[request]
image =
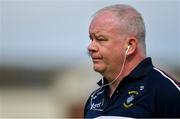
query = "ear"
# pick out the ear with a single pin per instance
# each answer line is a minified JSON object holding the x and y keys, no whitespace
{"x":131,"y":42}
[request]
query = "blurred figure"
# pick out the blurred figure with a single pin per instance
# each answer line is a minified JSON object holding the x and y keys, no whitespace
{"x":131,"y":86}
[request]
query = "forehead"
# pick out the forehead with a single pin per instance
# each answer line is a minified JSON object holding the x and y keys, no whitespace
{"x":104,"y":21}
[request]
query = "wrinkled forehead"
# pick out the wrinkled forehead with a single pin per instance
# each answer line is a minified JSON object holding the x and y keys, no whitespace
{"x":103,"y":21}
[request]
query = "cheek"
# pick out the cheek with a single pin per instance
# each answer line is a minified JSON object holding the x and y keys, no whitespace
{"x":105,"y":54}
{"x":111,"y":53}
{"x":114,"y":56}
{"x":107,"y":59}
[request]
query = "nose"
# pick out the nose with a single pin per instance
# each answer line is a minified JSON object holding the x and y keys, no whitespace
{"x":92,"y":47}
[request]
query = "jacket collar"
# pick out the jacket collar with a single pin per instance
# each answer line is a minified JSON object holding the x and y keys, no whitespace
{"x":142,"y":69}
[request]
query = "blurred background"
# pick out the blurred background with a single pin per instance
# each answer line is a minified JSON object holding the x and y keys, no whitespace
{"x":45,"y":71}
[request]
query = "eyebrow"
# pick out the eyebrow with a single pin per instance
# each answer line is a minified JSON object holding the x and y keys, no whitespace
{"x":95,"y":34}
{"x":91,"y":35}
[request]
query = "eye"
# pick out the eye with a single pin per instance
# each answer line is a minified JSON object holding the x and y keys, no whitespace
{"x":101,"y":38}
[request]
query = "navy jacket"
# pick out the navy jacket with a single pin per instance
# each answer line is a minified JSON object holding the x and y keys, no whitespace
{"x":145,"y":92}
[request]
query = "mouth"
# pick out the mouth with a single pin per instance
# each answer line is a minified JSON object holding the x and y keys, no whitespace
{"x":96,"y":60}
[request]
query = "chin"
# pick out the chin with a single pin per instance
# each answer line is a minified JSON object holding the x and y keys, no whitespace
{"x":99,"y":69}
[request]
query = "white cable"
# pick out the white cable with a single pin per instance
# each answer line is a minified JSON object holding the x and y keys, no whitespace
{"x":124,"y":61}
{"x":118,"y":74}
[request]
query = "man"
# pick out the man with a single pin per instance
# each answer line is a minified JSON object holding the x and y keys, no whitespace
{"x":131,"y":85}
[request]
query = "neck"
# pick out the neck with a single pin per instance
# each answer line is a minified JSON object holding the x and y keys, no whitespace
{"x":130,"y":64}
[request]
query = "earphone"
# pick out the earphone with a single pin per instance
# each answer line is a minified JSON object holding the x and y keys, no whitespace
{"x":127,"y":49}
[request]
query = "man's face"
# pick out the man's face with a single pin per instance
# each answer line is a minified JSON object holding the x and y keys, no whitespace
{"x":107,"y":44}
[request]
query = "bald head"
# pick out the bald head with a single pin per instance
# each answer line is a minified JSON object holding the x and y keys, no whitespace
{"x":130,"y":21}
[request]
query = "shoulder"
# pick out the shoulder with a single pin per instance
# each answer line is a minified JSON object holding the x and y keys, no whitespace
{"x":164,"y":81}
{"x":159,"y":81}
{"x":167,"y":93}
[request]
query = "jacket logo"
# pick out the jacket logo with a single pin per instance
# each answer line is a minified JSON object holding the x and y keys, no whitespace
{"x":97,"y":105}
{"x":97,"y":101}
{"x":129,"y":100}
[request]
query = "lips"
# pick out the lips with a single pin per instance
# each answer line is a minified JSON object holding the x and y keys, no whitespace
{"x":95,"y":59}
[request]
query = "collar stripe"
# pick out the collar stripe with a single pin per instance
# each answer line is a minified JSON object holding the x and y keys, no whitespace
{"x":172,"y":81}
